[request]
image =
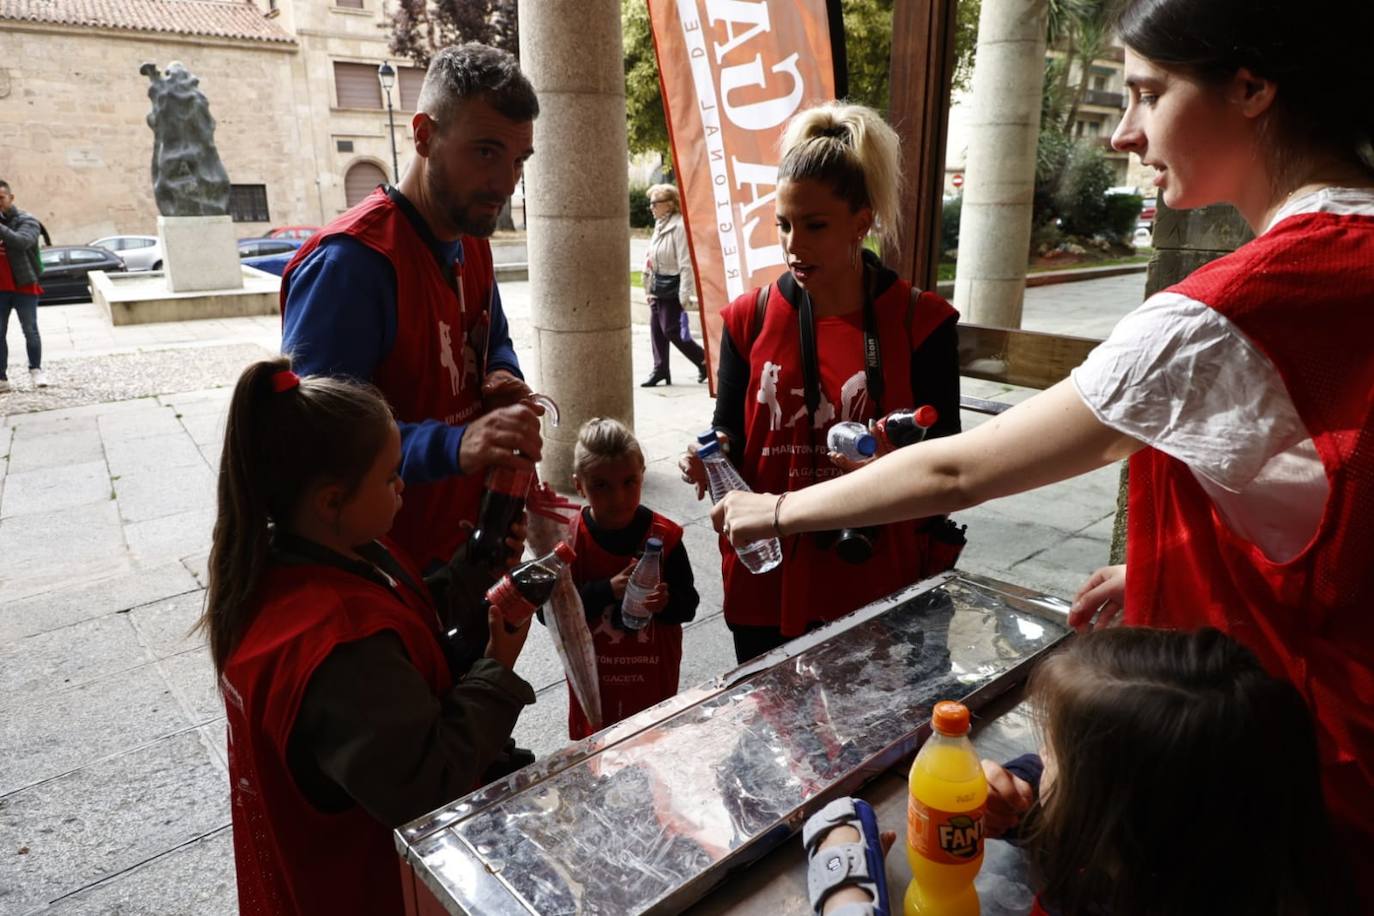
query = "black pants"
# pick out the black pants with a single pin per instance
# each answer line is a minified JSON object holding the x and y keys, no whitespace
{"x":665,"y":327}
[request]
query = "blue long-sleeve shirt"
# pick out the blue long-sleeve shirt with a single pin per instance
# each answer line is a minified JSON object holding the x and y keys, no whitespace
{"x":341,"y":320}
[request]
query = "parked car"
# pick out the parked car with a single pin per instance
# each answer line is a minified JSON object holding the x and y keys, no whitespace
{"x":138,"y":252}
{"x":252,"y":248}
{"x":271,"y":263}
{"x":293,"y":232}
{"x":65,"y":268}
{"x":1148,"y":209}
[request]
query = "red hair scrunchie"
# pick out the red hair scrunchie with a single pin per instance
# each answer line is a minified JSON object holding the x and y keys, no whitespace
{"x":285,"y":380}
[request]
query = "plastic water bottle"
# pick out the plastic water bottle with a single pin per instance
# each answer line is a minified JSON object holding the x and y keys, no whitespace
{"x":642,"y":582}
{"x":852,"y":440}
{"x":759,"y":556}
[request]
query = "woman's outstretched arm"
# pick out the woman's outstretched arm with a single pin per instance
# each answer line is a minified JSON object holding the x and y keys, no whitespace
{"x":1050,"y":437}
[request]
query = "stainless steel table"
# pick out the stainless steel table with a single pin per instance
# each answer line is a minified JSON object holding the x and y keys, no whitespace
{"x":652,"y":814}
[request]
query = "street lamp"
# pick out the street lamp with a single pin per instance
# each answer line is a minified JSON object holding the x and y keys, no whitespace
{"x":386,"y":75}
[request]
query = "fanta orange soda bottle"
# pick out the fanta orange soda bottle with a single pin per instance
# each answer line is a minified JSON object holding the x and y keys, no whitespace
{"x":944,"y":840}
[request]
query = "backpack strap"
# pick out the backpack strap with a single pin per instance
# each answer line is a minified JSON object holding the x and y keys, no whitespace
{"x":911,"y":311}
{"x":760,"y":307}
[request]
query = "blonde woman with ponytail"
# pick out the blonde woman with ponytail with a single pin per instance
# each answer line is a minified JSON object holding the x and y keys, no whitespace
{"x":838,"y":186}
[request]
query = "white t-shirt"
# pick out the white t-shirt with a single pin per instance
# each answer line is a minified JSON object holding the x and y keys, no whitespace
{"x":1180,"y":377}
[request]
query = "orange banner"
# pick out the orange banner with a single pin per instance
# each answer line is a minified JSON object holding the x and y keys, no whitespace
{"x":732,"y":73}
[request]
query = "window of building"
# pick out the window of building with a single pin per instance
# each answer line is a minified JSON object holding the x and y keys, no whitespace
{"x":349,"y":4}
{"x":360,"y":180}
{"x":248,"y":203}
{"x":412,"y":78}
{"x":344,"y":146}
{"x":356,"y":86}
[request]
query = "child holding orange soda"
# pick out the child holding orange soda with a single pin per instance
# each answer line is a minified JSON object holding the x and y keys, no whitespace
{"x":1177,"y":778}
{"x":637,"y":667}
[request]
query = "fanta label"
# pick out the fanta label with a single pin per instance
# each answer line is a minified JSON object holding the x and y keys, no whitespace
{"x":944,"y":837}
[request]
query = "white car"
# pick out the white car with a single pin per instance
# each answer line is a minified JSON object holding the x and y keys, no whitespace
{"x":138,"y":252}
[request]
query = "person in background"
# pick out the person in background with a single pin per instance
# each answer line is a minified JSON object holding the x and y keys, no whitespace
{"x":345,"y":719}
{"x":399,"y":291}
{"x":1243,"y":396}
{"x":19,"y":290}
{"x":1156,"y":742}
{"x":837,"y":184}
{"x":637,"y":667}
{"x":669,"y":284}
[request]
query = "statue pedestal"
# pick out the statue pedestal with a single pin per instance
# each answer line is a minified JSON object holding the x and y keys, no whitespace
{"x":199,"y":253}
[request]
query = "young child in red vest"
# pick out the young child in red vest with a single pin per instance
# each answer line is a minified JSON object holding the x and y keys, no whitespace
{"x":344,"y":717}
{"x":1178,"y":777}
{"x":636,"y":668}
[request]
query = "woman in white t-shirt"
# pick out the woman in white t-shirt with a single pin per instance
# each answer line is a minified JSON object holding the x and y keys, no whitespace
{"x":1244,"y":395}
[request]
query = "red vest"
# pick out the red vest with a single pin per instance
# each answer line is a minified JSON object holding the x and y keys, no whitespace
{"x":432,"y":371}
{"x":292,"y":858}
{"x":635,"y":668}
{"x":781,"y":449}
{"x":1302,"y":293}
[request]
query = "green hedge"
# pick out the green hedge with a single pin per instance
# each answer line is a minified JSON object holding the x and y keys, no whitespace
{"x":640,"y":215}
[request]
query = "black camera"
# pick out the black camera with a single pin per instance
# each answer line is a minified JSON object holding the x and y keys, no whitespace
{"x":853,"y":545}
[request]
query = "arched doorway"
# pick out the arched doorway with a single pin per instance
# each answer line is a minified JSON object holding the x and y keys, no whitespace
{"x":359,"y":181}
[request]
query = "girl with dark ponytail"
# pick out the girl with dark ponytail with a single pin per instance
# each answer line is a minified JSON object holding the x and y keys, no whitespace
{"x":344,"y":718}
{"x":1243,"y":395}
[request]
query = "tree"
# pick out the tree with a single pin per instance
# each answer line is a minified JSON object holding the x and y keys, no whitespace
{"x":646,"y":125}
{"x":419,"y":28}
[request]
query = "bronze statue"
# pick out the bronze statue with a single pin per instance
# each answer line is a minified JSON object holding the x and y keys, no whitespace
{"x":188,"y":176}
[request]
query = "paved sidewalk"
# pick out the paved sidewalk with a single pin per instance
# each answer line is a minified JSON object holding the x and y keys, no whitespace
{"x":112,"y":765}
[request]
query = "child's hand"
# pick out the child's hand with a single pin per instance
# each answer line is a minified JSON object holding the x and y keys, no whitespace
{"x":1103,"y":595}
{"x":621,"y":580}
{"x":657,"y":599}
{"x":503,"y":645}
{"x":1009,"y":797}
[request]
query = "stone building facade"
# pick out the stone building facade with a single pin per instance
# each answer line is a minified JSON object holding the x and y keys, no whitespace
{"x":302,"y":126}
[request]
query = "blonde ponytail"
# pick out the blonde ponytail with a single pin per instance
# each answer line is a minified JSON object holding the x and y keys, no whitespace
{"x":853,"y":151}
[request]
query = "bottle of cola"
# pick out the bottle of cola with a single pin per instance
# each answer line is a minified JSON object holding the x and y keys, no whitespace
{"x":503,"y":499}
{"x":526,"y":587}
{"x":502,"y":502}
{"x":906,"y":427}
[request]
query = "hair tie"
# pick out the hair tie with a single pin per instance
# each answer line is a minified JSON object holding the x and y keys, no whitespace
{"x":285,"y":380}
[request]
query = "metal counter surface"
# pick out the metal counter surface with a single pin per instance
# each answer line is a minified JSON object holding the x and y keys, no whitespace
{"x":648,"y":815}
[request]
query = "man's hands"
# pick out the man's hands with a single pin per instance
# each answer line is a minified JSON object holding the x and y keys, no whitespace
{"x":1103,"y":595}
{"x":504,"y":437}
{"x":503,"y":389}
{"x":1009,"y":797}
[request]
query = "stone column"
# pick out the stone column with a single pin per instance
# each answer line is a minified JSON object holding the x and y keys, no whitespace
{"x":1184,"y":240}
{"x":995,"y":224}
{"x":577,"y":217}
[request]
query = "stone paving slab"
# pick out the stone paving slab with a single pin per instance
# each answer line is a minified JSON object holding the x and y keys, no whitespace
{"x":191,"y":675}
{"x":107,"y":818}
{"x":153,"y":455}
{"x":36,"y":451}
{"x":54,"y":488}
{"x":165,"y":626}
{"x":154,"y":493}
{"x":71,"y":603}
{"x":158,"y":420}
{"x":171,"y":537}
{"x":68,"y":657}
{"x":197,"y":878}
{"x":47,"y":550}
{"x":51,"y":735}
